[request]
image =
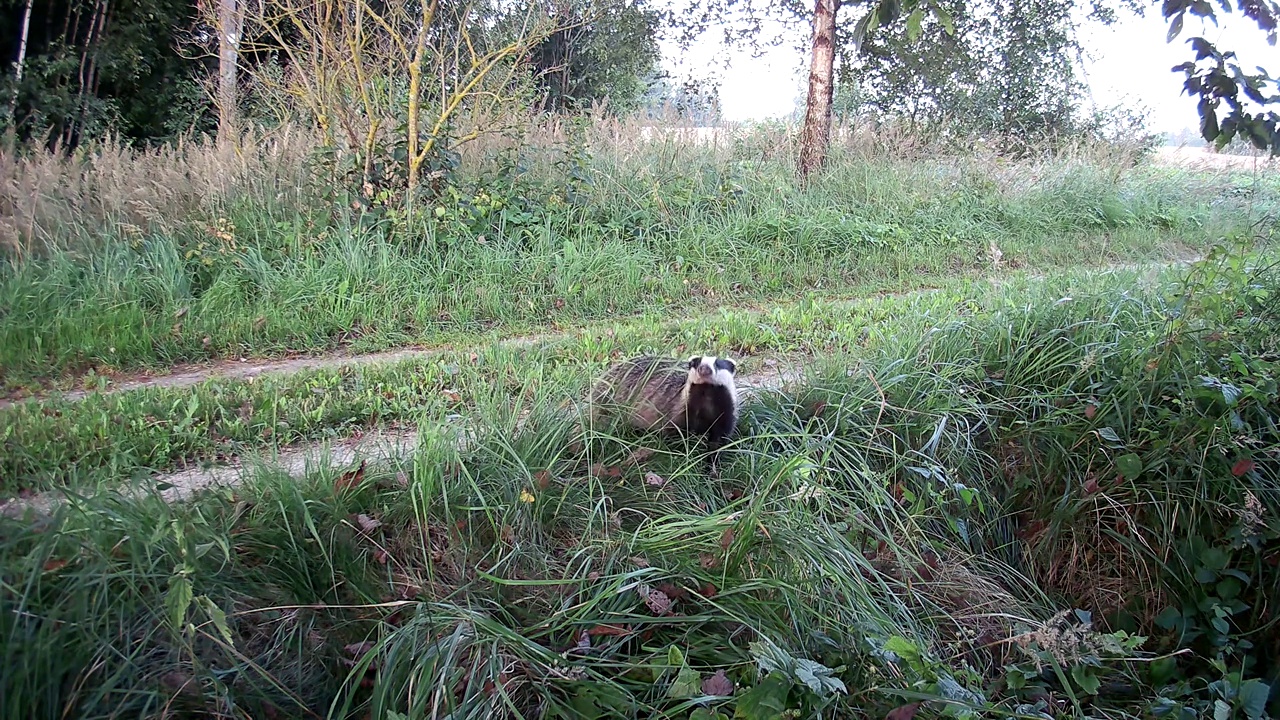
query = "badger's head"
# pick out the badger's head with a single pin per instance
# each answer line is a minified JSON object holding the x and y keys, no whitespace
{"x":712,"y":370}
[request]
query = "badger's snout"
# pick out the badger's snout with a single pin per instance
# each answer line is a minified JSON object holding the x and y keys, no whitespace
{"x":704,"y":370}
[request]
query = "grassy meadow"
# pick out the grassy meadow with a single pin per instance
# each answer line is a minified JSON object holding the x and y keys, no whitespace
{"x":120,"y":261}
{"x":979,"y":474}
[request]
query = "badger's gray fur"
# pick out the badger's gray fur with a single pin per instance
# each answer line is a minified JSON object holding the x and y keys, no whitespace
{"x":689,"y":397}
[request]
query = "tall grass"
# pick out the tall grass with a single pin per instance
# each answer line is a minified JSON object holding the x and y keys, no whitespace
{"x":113,"y":437}
{"x":118,"y":260}
{"x":904,"y":525}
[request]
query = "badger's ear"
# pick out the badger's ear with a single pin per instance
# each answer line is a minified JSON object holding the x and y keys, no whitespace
{"x":695,"y":362}
{"x":727,"y":364}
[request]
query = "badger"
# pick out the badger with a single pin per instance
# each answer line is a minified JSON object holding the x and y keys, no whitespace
{"x":694,"y":397}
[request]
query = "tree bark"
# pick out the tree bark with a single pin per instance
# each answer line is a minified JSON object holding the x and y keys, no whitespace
{"x":19,"y":65}
{"x":228,"y":56}
{"x":816,"y":134}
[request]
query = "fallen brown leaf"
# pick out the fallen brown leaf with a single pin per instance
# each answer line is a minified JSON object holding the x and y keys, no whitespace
{"x":54,"y":565}
{"x":367,"y":524}
{"x":543,"y":479}
{"x":718,"y":684}
{"x":639,"y":455}
{"x":655,"y":480}
{"x":658,"y":602}
{"x":904,"y":712}
{"x":672,"y":591}
{"x":726,"y":539}
{"x":350,"y":479}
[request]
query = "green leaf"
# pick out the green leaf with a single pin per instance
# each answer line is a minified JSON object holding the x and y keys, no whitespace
{"x":1163,"y":670}
{"x":1085,"y":679}
{"x":675,"y":658}
{"x":1240,"y":575}
{"x":913,"y":24}
{"x":705,"y":714}
{"x":818,"y":677}
{"x":1252,"y":698}
{"x":1175,"y":27}
{"x":770,"y":658}
{"x":944,"y":17}
{"x":1208,"y":124}
{"x":687,"y":684}
{"x":219,"y":619}
{"x":1108,"y":434}
{"x":178,"y":599}
{"x":1214,"y":558}
{"x":598,"y":700}
{"x":766,"y":701}
{"x":1129,"y":465}
{"x":1169,"y":618}
{"x":902,"y":647}
{"x":584,"y":704}
{"x":888,"y":11}
{"x":1229,"y":588}
{"x":1221,"y":710}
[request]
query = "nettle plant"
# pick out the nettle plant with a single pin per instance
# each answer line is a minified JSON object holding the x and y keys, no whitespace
{"x":1223,"y":575}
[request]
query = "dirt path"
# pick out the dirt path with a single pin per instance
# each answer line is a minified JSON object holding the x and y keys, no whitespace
{"x":374,"y":447}
{"x":187,"y":375}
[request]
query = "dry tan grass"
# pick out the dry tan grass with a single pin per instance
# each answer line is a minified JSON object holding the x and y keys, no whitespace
{"x":50,"y":202}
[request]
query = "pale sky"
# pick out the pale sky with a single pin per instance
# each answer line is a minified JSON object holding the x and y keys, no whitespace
{"x":1130,"y":63}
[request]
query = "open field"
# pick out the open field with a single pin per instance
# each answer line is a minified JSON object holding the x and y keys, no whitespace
{"x":1008,"y":445}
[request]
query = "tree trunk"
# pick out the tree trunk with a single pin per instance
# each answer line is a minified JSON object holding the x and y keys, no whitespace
{"x":816,"y":135}
{"x":19,"y":64}
{"x":228,"y":56}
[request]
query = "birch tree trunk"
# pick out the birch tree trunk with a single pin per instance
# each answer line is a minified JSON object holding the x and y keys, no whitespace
{"x":19,"y":65}
{"x":816,"y":134}
{"x":228,"y":56}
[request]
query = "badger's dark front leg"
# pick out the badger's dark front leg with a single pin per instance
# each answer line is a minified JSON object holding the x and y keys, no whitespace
{"x":717,"y":436}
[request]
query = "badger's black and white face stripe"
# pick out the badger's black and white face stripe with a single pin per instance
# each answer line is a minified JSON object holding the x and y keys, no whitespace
{"x":712,"y":370}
